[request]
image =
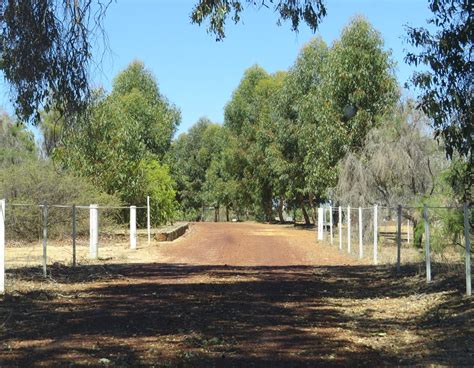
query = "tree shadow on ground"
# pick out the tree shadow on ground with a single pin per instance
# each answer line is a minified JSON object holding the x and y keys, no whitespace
{"x":135,"y":315}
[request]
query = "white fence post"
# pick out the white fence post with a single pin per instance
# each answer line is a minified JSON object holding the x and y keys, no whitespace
{"x":468,"y":250}
{"x":408,"y":231}
{"x":74,"y":235}
{"x":340,"y":228}
{"x":133,"y":227}
{"x":330,"y":223}
{"x":148,"y":220}
{"x":375,"y":234}
{"x":427,"y":244}
{"x":361,"y":245}
{"x":45,"y":238}
{"x":320,"y":223}
{"x":93,"y":231}
{"x":348,"y":229}
{"x":2,"y":246}
{"x":399,"y":236}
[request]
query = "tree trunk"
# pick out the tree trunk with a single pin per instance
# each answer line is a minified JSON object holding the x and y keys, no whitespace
{"x":216,"y":214}
{"x":307,"y":220}
{"x":227,"y":213}
{"x":312,"y":204}
{"x":280,"y":210}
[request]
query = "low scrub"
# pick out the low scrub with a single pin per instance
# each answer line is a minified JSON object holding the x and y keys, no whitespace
{"x":38,"y":182}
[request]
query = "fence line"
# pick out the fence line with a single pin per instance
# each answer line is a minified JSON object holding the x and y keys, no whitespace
{"x":72,"y":205}
{"x":93,"y":230}
{"x":344,"y":217}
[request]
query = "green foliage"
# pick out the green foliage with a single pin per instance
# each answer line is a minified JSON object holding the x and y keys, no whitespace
{"x":132,"y":125}
{"x":446,"y":85}
{"x":137,"y":91}
{"x":248,"y":120}
{"x":45,"y":53}
{"x":218,"y":12}
{"x":446,"y":225}
{"x":52,"y":127}
{"x":47,"y":65}
{"x":37,"y":182}
{"x":16,"y":143}
{"x":357,"y":87}
{"x":190,"y":158}
{"x":161,"y":188}
{"x":303,"y":81}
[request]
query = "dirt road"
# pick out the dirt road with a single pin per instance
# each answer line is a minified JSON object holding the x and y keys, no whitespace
{"x":250,"y":244}
{"x":233,"y":295}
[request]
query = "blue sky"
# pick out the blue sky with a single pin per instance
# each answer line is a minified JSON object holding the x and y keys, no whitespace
{"x":198,"y":74}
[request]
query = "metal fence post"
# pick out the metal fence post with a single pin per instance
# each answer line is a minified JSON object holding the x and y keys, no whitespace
{"x":375,"y":234}
{"x":427,"y":244}
{"x":468,"y":249}
{"x":93,"y":231}
{"x":2,"y":246}
{"x":399,"y":235}
{"x":45,"y":238}
{"x":133,"y":227}
{"x":361,"y":245}
{"x":74,"y":235}
{"x":148,"y":220}
{"x":348,"y":229}
{"x":340,"y":228}
{"x":330,"y":223}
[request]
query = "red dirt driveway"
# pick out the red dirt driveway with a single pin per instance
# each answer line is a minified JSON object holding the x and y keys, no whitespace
{"x":250,"y":244}
{"x":234,"y":295}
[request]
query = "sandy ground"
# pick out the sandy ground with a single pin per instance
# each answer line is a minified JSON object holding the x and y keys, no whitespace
{"x":232,"y":295}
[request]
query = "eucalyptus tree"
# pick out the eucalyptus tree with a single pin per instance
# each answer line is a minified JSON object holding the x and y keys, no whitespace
{"x":446,"y":84}
{"x":304,"y":78}
{"x":121,"y":140}
{"x":242,"y":118}
{"x":46,"y":45}
{"x":190,"y":157}
{"x":217,"y":13}
{"x":45,"y":52}
{"x":356,"y":88}
{"x":136,"y":89}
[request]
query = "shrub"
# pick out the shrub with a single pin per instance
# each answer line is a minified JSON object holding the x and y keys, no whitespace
{"x":37,"y":182}
{"x":159,"y":185}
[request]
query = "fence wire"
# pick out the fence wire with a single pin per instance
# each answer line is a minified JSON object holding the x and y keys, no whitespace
{"x":432,"y":237}
{"x":40,"y":236}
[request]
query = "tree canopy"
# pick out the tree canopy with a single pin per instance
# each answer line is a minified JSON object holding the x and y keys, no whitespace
{"x":46,"y":46}
{"x":120,"y":143}
{"x":45,"y":51}
{"x":446,"y":85}
{"x":217,"y":13}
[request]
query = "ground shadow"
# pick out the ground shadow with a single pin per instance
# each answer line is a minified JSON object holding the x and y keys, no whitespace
{"x":154,"y":314}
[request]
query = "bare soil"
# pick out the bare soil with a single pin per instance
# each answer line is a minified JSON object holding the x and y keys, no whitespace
{"x":232,"y":295}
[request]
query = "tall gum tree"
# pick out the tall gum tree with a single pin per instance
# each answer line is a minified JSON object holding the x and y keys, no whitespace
{"x":357,"y":87}
{"x":120,"y":140}
{"x":303,"y":78}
